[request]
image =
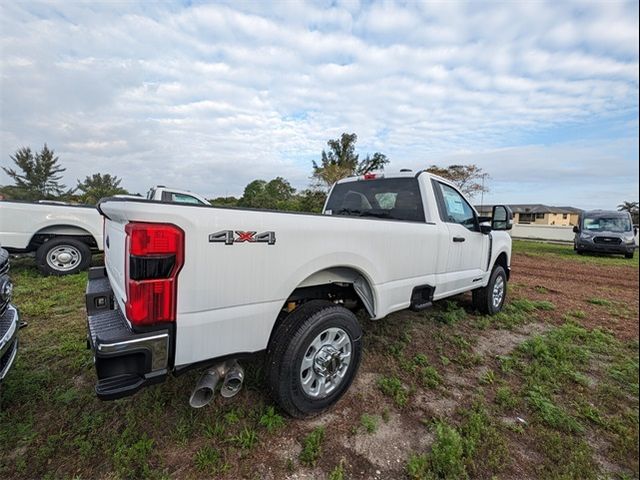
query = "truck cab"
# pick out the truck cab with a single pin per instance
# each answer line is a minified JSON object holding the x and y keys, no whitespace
{"x":460,"y":232}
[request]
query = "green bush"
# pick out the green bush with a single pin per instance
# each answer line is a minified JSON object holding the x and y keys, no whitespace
{"x":312,"y":447}
{"x":392,"y":386}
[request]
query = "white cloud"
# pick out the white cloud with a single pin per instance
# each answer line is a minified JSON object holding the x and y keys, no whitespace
{"x":209,"y":97}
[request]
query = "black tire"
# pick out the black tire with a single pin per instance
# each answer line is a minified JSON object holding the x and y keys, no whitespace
{"x":292,"y":340}
{"x":483,"y":297}
{"x":629,"y":255}
{"x":78,"y":251}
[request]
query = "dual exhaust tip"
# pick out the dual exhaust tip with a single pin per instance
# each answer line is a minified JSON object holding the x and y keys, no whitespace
{"x":232,"y":375}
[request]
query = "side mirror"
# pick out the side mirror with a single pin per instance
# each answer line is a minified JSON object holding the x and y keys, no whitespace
{"x":485,"y":224}
{"x":576,"y":229}
{"x":502,"y":218}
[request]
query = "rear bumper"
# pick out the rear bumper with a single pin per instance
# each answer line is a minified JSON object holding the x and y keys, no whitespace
{"x":10,"y":323}
{"x":125,"y":361}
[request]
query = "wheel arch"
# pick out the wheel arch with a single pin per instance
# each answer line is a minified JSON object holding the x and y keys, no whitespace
{"x":503,"y":260}
{"x":59,"y":230}
{"x":338,"y":281}
{"x":344,"y":275}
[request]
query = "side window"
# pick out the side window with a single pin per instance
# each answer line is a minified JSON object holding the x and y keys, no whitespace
{"x":456,"y":208}
{"x":181,"y":198}
{"x":171,"y":197}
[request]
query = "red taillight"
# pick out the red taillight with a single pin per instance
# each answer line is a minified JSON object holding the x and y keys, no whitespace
{"x":154,"y":239}
{"x":155,"y":254}
{"x":370,"y":176}
{"x":151,"y":301}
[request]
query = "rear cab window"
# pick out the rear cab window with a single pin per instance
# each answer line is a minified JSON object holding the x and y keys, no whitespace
{"x":386,"y":198}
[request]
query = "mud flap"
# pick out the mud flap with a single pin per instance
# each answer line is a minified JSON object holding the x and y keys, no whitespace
{"x":361,"y":286}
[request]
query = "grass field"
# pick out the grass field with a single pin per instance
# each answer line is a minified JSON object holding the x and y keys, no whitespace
{"x":546,"y":389}
{"x":561,"y":251}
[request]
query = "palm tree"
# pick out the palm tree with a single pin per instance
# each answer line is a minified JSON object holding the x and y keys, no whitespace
{"x":632,"y":208}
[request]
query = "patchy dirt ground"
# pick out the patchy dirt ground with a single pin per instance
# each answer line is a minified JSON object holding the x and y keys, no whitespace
{"x":573,"y":286}
{"x":51,"y":425}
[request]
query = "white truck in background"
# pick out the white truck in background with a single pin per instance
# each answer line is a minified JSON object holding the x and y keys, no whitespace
{"x":63,"y":236}
{"x":187,"y":287}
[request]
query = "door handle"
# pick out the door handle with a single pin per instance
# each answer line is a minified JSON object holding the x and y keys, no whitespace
{"x":459,"y":239}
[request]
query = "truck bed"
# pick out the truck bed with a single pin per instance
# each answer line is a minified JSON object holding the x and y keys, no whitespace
{"x":20,"y":221}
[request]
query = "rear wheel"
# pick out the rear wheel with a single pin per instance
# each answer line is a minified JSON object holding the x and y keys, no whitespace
{"x":63,"y":256}
{"x":313,"y":357}
{"x":490,"y":299}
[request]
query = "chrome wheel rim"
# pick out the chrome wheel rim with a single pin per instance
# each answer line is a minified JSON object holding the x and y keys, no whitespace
{"x":325,"y":362}
{"x":498,"y":292}
{"x":64,"y":258}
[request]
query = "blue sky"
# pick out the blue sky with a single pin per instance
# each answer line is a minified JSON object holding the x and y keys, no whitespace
{"x":542,"y":95}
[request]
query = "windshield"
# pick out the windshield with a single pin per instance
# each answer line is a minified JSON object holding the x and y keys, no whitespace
{"x":393,"y":199}
{"x":607,"y":224}
{"x":151,"y":193}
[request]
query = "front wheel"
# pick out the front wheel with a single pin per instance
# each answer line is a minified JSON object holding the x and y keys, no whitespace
{"x":490,"y":299}
{"x":313,"y":357}
{"x":629,"y":255}
{"x":63,"y":256}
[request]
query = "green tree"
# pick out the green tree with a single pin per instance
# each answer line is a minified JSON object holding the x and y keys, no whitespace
{"x":36,"y":177}
{"x":98,"y":186}
{"x":311,"y":200}
{"x":279,"y":190}
{"x":341,"y":161}
{"x":470,"y":179}
{"x":224,"y":201}
{"x":632,"y":208}
{"x":253,"y":195}
{"x":277,"y":194}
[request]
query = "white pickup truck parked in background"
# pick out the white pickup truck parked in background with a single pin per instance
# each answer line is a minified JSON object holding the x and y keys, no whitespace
{"x":63,"y":236}
{"x":186,"y":287}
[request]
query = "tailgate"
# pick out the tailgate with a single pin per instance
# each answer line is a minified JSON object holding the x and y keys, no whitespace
{"x":120,"y":216}
{"x":114,"y":258}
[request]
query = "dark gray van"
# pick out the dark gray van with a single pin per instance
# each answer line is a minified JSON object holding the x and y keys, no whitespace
{"x":605,"y":232}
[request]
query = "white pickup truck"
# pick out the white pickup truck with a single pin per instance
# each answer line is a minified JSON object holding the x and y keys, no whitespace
{"x":186,"y":286}
{"x":63,"y":236}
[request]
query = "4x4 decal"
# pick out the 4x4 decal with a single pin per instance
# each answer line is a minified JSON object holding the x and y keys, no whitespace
{"x":229,"y":237}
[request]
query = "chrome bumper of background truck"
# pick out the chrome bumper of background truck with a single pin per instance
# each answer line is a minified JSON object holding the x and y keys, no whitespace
{"x":125,"y":361}
{"x":10,"y":323}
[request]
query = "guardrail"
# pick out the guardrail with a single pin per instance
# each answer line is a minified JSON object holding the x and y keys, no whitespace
{"x":543,"y":232}
{"x":554,"y":233}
